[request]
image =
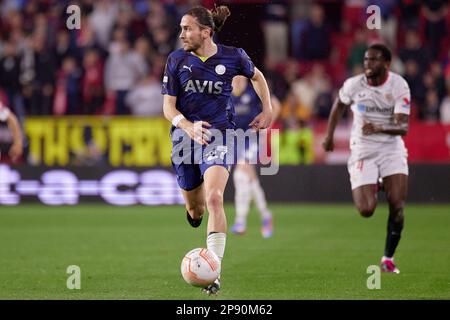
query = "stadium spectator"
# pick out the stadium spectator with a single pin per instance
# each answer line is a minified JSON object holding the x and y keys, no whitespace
{"x":102,"y":20}
{"x":276,"y":32}
{"x":42,"y":84}
{"x":430,"y":110}
{"x":357,"y":49}
{"x":315,"y":44}
{"x":410,"y":12}
{"x":145,"y":99}
{"x":10,"y":71}
{"x":92,"y":83}
{"x":67,"y":90}
{"x":123,"y":69}
{"x":306,"y":89}
{"x":414,"y":50}
{"x":435,"y":12}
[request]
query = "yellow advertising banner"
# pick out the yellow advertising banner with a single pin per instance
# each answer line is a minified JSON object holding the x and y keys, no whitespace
{"x":115,"y":141}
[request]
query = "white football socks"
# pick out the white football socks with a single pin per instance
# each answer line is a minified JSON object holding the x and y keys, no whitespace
{"x":216,"y":243}
{"x":242,"y":195}
{"x":260,"y":199}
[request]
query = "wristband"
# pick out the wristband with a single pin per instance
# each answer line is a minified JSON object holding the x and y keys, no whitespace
{"x":177,"y":119}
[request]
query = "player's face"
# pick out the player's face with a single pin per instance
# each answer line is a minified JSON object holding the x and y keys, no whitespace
{"x":192,"y":36}
{"x":374,"y":64}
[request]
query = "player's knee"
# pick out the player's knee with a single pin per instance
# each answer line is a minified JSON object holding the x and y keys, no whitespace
{"x":214,"y":201}
{"x":197,"y":210}
{"x":366,"y":210}
{"x":240,"y":177}
{"x":366,"y":213}
{"x":396,"y":206}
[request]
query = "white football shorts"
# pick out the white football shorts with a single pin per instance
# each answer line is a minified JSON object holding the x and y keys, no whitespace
{"x":367,"y":170}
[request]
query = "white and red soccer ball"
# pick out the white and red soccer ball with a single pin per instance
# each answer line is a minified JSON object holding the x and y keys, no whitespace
{"x":200,"y":267}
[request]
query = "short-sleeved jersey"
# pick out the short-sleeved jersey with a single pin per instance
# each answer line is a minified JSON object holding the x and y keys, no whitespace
{"x":375,"y":104}
{"x":247,"y":106}
{"x":4,"y":112}
{"x":203,"y":89}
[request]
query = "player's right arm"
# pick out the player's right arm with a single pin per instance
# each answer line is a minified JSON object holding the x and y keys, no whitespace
{"x":170,"y":91}
{"x":196,"y":131}
{"x":342,"y":102}
{"x":335,"y":115}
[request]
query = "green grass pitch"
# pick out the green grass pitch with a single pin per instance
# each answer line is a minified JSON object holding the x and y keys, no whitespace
{"x":317,"y":252}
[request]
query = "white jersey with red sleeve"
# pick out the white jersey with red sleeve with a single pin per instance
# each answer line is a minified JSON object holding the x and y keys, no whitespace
{"x":375,"y":104}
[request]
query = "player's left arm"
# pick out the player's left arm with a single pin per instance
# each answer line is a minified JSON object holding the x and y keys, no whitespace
{"x":399,"y":126}
{"x":264,"y":119}
{"x":16,"y":149}
{"x":402,"y":108}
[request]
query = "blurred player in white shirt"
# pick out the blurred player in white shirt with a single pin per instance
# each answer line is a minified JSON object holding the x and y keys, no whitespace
{"x":380,"y":102}
{"x":16,"y":150}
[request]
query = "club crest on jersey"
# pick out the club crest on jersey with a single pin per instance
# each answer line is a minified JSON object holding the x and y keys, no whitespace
{"x":205,"y":86}
{"x":220,"y":69}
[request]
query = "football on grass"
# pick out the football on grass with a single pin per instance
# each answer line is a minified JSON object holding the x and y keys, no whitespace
{"x":200,"y":267}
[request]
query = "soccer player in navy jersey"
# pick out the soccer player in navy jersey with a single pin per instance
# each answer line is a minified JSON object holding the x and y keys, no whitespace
{"x":197,"y":100}
{"x":246,"y":183}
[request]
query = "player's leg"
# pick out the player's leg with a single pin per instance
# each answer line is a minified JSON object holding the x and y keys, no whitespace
{"x":261,"y":203}
{"x":394,"y":171}
{"x":195,"y":205}
{"x":242,"y":197}
{"x":189,"y":176}
{"x":365,"y":199}
{"x":215,"y":181}
{"x":363,"y":177}
{"x":396,"y":189}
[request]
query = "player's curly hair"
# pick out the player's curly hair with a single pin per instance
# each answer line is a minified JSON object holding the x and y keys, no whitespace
{"x":214,"y":19}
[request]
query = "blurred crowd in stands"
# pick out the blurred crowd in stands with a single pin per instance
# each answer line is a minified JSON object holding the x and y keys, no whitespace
{"x":114,"y":63}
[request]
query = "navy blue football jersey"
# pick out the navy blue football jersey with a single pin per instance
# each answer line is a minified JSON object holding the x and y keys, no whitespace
{"x":203,"y":89}
{"x":247,"y":107}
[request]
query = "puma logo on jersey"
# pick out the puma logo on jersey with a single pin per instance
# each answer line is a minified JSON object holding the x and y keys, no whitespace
{"x":205,"y":86}
{"x":189,"y":68}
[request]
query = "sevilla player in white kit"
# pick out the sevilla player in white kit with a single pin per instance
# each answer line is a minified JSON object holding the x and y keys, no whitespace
{"x":380,"y":102}
{"x":15,"y":152}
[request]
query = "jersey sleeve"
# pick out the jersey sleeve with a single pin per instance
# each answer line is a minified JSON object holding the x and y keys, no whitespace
{"x":170,"y":82}
{"x":247,"y":68}
{"x":402,"y":98}
{"x":345,"y":93}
